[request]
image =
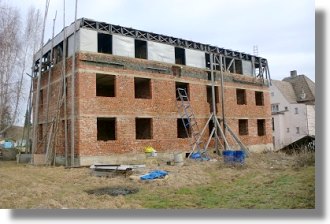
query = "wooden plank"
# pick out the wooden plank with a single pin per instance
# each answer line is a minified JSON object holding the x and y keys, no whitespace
{"x":115,"y":167}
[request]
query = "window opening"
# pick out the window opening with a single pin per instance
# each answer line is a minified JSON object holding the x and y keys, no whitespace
{"x":106,"y":129}
{"x":140,"y":49}
{"x":259,"y":96}
{"x":182,"y":85}
{"x":180,"y":57}
{"x":241,"y":96}
{"x":181,"y":131}
{"x":142,"y":88}
{"x":243,"y":127}
{"x":104,"y":43}
{"x":143,"y":128}
{"x":261,"y":127}
{"x":105,"y":85}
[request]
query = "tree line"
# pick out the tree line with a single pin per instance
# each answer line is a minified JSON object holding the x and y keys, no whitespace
{"x":19,"y":40}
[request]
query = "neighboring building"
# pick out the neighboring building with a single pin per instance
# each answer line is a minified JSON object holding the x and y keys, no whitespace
{"x":14,"y":133}
{"x":293,"y":109}
{"x":125,"y":93}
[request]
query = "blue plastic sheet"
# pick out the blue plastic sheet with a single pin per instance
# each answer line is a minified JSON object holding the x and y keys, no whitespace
{"x":196,"y":155}
{"x":154,"y":175}
{"x":199,"y":156}
{"x":8,"y":145}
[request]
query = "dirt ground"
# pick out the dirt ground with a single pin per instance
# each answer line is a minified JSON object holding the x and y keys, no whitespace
{"x":28,"y":186}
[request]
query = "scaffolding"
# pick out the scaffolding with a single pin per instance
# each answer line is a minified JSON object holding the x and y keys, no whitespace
{"x":46,"y":62}
{"x":188,"y":118}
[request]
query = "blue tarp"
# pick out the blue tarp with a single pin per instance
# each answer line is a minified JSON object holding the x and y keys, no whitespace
{"x":154,"y":175}
{"x":8,"y":145}
{"x":196,"y":155}
{"x":199,"y":156}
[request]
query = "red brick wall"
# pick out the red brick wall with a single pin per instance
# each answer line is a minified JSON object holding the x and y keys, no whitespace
{"x":161,"y":108}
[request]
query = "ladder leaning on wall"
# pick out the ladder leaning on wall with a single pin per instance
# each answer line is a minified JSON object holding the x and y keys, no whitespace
{"x":189,"y":122}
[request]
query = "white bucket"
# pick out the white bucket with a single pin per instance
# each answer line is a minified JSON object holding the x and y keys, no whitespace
{"x":178,"y":158}
{"x":154,"y":154}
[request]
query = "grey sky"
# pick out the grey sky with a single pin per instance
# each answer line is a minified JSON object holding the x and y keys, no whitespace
{"x":283,"y":30}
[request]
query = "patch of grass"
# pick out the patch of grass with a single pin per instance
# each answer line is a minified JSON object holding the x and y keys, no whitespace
{"x":289,"y":189}
{"x":266,"y":181}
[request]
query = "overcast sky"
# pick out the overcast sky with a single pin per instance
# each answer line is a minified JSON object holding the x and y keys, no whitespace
{"x":283,"y":30}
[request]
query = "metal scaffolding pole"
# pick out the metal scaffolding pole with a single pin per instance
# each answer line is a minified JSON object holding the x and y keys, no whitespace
{"x":223,"y":101}
{"x":36,"y":110}
{"x":64,"y":91}
{"x":214,"y":112}
{"x":49,"y":77}
{"x":73,"y":87}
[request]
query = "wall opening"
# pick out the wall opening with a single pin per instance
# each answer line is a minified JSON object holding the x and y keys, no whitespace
{"x":209,"y":96}
{"x":259,"y":98}
{"x":209,"y":77}
{"x":58,"y":53}
{"x":243,"y":128}
{"x":41,"y":133}
{"x":241,"y":96}
{"x":211,"y":125}
{"x":182,"y":85}
{"x":106,"y":129}
{"x":104,"y":43}
{"x":180,"y":57}
{"x":231,"y":68}
{"x":105,"y":85}
{"x":181,"y":131}
{"x":140,"y":49}
{"x":66,"y":47}
{"x":142,"y":88}
{"x":41,"y":98}
{"x":143,"y":128}
{"x":261,"y":127}
{"x":238,"y":66}
{"x":46,"y":63}
{"x":207,"y":61}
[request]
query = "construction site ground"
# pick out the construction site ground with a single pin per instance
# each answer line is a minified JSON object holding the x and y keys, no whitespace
{"x":266,"y":180}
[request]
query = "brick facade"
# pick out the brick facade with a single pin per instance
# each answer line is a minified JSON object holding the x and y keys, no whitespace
{"x":161,"y":108}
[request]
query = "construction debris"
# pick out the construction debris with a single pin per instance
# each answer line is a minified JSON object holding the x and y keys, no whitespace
{"x":102,"y":170}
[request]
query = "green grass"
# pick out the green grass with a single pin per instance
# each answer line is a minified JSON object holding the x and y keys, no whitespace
{"x":266,"y":181}
{"x":288,"y":189}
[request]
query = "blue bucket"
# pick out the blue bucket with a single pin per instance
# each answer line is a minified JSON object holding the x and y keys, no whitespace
{"x":228,"y":156}
{"x":239,"y":156}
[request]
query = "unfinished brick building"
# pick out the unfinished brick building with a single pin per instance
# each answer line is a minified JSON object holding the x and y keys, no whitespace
{"x":125,"y":96}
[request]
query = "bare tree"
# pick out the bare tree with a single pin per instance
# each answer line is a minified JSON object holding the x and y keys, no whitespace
{"x":16,"y":50}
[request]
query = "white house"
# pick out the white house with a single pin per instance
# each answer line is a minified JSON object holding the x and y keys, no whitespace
{"x":293,"y":109}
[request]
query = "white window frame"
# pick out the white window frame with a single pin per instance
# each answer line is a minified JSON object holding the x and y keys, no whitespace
{"x":275,"y":107}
